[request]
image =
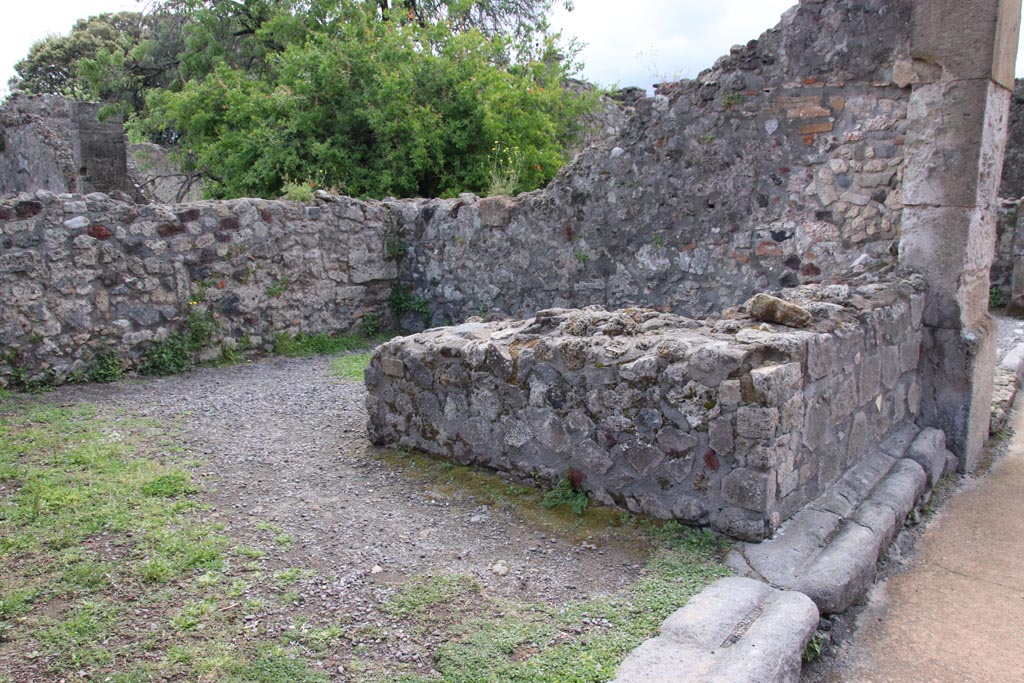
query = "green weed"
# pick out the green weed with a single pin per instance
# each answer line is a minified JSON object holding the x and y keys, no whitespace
{"x":424,"y":592}
{"x":176,"y":354}
{"x":401,"y":300}
{"x":815,"y":647}
{"x":351,"y":366}
{"x":279,"y":287}
{"x":286,"y":577}
{"x":105,"y":367}
{"x":996,"y":298}
{"x":304,"y":344}
{"x":568,"y":495}
{"x":296,"y":191}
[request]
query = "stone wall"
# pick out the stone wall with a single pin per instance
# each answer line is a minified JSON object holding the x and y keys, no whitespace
{"x":1009,"y":248}
{"x":81,"y":274}
{"x":724,"y":422}
{"x":781,"y":165}
{"x":56,"y":144}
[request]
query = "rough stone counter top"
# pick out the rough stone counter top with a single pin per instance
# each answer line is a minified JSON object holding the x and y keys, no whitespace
{"x":728,"y":422}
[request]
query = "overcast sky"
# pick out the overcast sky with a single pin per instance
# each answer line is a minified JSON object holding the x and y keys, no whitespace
{"x":629,"y":42}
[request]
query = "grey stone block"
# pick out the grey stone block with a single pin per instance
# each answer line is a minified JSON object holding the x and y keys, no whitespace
{"x":735,"y":631}
{"x":929,"y":451}
{"x":830,"y":549}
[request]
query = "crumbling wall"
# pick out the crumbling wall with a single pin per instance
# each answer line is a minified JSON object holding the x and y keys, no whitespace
{"x":782,"y":165}
{"x":56,"y":144}
{"x":81,"y":274}
{"x":726,"y":422}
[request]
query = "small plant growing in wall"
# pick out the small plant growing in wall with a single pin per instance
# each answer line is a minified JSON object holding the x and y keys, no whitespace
{"x":394,"y":247}
{"x":176,"y":354}
{"x":278,"y":288}
{"x":582,"y":256}
{"x":401,"y":301}
{"x":105,"y":367}
{"x":370,"y":325}
{"x":732,"y":99}
{"x":506,"y":168}
{"x":23,"y":380}
{"x":996,"y":298}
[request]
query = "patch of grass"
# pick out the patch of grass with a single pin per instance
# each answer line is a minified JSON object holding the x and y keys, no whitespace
{"x":585,"y":640}
{"x":273,"y":667}
{"x":76,"y":638}
{"x":169,"y":485}
{"x":286,"y":577}
{"x":514,"y":641}
{"x":351,"y":366}
{"x":192,"y":614}
{"x":303,"y":344}
{"x":424,"y":592}
{"x":108,"y":565}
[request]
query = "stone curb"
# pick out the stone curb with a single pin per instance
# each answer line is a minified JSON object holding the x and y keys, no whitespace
{"x":830,"y":549}
{"x":737,"y":630}
{"x":753,"y":628}
{"x":1008,"y":374}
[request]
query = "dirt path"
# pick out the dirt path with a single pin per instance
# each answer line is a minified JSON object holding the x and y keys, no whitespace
{"x":283,"y":442}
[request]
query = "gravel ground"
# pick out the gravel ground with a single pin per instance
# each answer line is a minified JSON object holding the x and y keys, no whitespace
{"x":284,"y":442}
{"x":1011,"y":333}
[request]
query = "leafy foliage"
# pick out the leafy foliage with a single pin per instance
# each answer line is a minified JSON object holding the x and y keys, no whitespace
{"x":401,"y":300}
{"x":176,"y":354}
{"x":372,"y":98}
{"x":105,"y":367}
{"x":568,"y":495}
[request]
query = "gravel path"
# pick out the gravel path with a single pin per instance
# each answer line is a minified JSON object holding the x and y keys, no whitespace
{"x":284,"y":442}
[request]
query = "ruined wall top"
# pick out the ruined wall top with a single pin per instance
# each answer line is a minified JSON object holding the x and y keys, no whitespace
{"x":52,"y":143}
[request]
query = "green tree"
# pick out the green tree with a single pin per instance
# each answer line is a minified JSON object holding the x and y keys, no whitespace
{"x":51,"y":66}
{"x":114,"y":58}
{"x":373,"y":108}
{"x":369,"y":97}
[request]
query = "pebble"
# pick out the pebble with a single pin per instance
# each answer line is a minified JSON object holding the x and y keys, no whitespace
{"x":500,"y":568}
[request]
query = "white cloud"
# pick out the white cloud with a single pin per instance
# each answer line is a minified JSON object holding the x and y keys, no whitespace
{"x":640,"y":42}
{"x":630,"y":42}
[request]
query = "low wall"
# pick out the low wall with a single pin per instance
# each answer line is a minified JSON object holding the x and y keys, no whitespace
{"x":725,"y":422}
{"x":80,"y":274}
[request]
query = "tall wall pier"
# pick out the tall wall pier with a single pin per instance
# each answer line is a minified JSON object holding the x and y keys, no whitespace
{"x":56,"y":144}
